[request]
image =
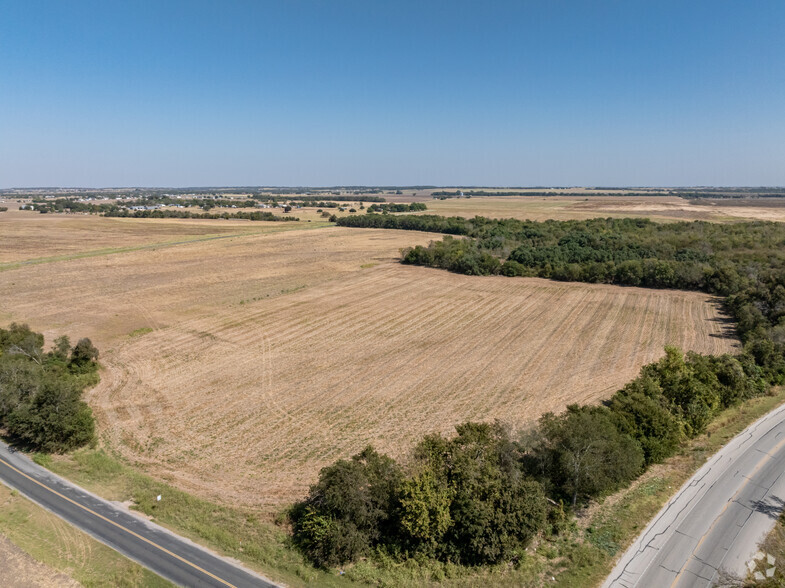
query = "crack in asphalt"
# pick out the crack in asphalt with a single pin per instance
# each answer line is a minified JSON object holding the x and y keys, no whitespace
{"x":732,"y":452}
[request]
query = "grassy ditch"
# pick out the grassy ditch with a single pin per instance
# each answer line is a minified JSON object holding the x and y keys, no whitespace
{"x":235,"y":532}
{"x":52,"y":541}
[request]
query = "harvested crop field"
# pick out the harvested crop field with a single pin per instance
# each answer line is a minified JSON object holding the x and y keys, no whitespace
{"x":28,"y":235}
{"x":236,"y":368}
{"x":250,"y":405}
{"x":661,"y":208}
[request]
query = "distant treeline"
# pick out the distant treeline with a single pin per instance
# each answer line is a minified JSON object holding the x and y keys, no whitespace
{"x":41,"y":403}
{"x":470,"y":193}
{"x":384,"y":208}
{"x":169,"y":213}
{"x":687,"y":194}
{"x":69,"y":204}
{"x":113,"y":210}
{"x":734,"y":195}
{"x":59,"y":205}
{"x":342,"y":198}
{"x":310,"y":203}
{"x":205,"y":203}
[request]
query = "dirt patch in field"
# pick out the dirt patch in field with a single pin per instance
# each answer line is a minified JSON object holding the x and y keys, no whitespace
{"x":19,"y":570}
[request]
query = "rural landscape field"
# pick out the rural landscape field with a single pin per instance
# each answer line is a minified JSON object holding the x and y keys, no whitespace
{"x":392,"y":294}
{"x":584,"y":205}
{"x":237,"y":367}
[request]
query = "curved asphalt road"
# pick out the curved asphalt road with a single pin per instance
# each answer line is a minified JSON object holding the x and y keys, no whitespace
{"x":175,"y":558}
{"x":718,"y":517}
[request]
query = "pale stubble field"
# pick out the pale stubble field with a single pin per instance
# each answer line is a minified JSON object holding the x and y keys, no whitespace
{"x":236,"y":368}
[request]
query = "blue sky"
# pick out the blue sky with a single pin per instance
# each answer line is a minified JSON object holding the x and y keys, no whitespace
{"x":329,"y":92}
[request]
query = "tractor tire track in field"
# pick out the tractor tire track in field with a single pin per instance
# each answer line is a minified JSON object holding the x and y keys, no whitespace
{"x":248,"y":403}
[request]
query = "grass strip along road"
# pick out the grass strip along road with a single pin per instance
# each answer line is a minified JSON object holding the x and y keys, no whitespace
{"x":716,"y":520}
{"x":172,"y":557}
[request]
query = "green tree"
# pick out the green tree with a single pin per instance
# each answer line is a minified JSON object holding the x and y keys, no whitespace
{"x":348,"y":510}
{"x":84,"y":354}
{"x":424,"y":511}
{"x":645,"y":419}
{"x":495,"y":508}
{"x":583,"y":454}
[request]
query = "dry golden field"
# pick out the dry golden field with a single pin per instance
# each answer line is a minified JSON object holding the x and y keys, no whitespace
{"x":662,"y":208}
{"x":237,"y":367}
{"x":27,"y":235}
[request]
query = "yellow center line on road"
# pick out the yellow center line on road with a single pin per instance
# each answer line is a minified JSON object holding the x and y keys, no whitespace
{"x":119,"y":526}
{"x":759,"y":465}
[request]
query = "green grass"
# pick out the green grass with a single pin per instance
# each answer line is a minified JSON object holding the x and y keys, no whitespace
{"x":66,"y":549}
{"x":141,"y":331}
{"x":235,"y":532}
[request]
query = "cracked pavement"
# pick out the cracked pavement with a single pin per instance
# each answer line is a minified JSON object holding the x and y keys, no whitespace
{"x":717,"y":518}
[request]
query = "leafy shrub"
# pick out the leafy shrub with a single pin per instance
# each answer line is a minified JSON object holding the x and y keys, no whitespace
{"x":41,"y":393}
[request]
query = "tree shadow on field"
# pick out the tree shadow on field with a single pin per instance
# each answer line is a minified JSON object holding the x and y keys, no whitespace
{"x":725,"y":320}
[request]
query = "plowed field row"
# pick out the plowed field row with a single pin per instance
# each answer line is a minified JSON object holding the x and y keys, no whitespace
{"x":247,"y":405}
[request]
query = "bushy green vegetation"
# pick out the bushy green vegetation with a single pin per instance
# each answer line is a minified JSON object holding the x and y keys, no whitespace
{"x":481,"y":496}
{"x":166,"y":213}
{"x":386,"y":208}
{"x":359,"y":196}
{"x":41,"y":392}
{"x":463,"y":500}
{"x":588,"y":451}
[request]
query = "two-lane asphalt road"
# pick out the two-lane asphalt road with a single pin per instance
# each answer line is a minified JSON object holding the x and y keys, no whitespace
{"x":174,"y":558}
{"x":717,"y":518}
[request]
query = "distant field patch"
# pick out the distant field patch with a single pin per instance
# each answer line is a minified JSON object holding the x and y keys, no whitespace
{"x":662,"y":208}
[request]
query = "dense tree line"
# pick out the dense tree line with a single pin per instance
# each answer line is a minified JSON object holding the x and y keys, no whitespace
{"x":426,"y":222}
{"x":310,"y":203}
{"x":442,"y":194}
{"x":733,"y":194}
{"x":477,"y":497}
{"x":343,"y":198}
{"x":41,"y":402}
{"x":74,"y":205}
{"x":165,"y":213}
{"x":464,"y":499}
{"x":385,"y":208}
{"x":69,"y":205}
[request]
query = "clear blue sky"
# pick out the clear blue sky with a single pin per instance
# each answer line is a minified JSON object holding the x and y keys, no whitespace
{"x":295,"y":92}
